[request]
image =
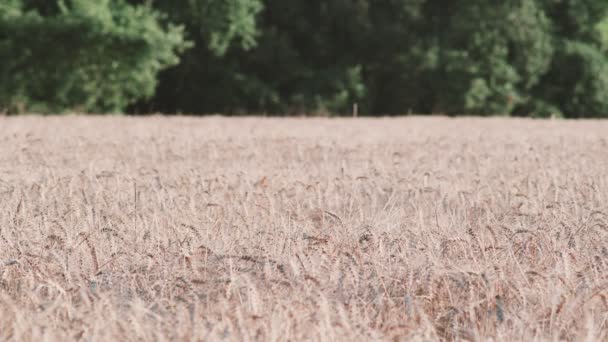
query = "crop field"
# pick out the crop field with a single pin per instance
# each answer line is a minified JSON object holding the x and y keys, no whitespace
{"x":258,"y":229}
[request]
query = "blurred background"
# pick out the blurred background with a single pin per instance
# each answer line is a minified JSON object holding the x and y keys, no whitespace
{"x":535,"y":58}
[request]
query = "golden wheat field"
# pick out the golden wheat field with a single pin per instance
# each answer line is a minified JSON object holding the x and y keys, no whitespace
{"x":254,"y":229}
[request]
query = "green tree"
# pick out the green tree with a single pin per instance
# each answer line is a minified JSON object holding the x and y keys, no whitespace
{"x":277,"y":57}
{"x":521,"y":57}
{"x":577,"y":82}
{"x":514,"y":57}
{"x":486,"y":56}
{"x":307,"y":58}
{"x":81,"y":55}
{"x":205,"y":79}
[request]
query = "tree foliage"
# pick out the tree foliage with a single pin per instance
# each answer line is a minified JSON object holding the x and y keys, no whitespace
{"x":514,"y":57}
{"x":93,"y":56}
{"x":577,"y":83}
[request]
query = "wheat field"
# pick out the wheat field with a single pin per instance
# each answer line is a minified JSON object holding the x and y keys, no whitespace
{"x":256,"y":229}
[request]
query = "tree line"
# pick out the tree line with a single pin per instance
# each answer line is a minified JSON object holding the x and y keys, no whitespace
{"x":475,"y":57}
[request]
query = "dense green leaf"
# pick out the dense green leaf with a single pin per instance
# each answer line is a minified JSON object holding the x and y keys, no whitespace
{"x":513,"y":57}
{"x":82,"y":55}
